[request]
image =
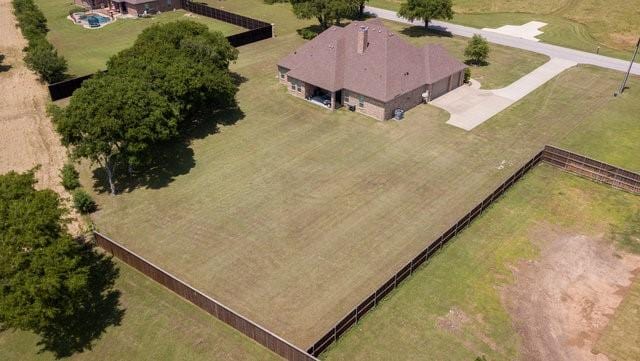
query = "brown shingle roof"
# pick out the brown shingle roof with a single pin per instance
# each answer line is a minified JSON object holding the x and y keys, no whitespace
{"x":389,"y":66}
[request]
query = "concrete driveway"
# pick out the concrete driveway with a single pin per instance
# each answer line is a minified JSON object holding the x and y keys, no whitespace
{"x":471,"y":106}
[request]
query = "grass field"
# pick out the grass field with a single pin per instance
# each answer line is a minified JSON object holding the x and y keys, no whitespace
{"x":470,"y":275}
{"x":87,"y":50}
{"x":292,"y":215}
{"x":621,"y":340}
{"x":579,"y":24}
{"x":157,"y":325}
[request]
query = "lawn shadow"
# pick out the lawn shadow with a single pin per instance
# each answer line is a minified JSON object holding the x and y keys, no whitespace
{"x":420,"y":31}
{"x":238,"y":79}
{"x":476,"y":64}
{"x":310,"y":32}
{"x":95,"y":311}
{"x":365,"y":15}
{"x":3,"y":67}
{"x":171,"y":159}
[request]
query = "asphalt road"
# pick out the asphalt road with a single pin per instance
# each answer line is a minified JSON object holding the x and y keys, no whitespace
{"x":552,"y":51}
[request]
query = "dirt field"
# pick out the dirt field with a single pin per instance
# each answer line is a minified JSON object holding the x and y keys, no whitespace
{"x":562,"y":301}
{"x":27,"y":137}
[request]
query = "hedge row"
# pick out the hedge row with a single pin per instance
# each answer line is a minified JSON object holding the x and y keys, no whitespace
{"x":41,"y":56}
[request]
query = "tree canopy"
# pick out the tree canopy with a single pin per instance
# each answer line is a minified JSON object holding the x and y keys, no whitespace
{"x":326,"y":11}
{"x":477,"y":49}
{"x":41,"y":56}
{"x":50,"y":284}
{"x":426,"y":10}
{"x":174,"y":76}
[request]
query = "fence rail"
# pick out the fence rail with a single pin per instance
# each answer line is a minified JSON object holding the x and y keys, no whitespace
{"x":208,"y":304}
{"x":227,"y":17}
{"x":592,"y":169}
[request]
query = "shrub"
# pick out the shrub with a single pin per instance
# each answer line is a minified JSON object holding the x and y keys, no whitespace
{"x":83,"y":202}
{"x":43,"y":58}
{"x":70,"y":177}
{"x":467,"y":75}
{"x":30,"y":19}
{"x":41,"y":55}
{"x":477,"y":50}
{"x":307,"y":33}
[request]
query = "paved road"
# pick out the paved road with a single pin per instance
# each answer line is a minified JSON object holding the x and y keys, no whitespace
{"x":552,"y":51}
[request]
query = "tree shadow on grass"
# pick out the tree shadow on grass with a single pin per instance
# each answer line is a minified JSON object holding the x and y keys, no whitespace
{"x":420,"y":31}
{"x":364,"y":16}
{"x":171,"y":159}
{"x":97,"y":310}
{"x":310,"y":32}
{"x":476,"y":63}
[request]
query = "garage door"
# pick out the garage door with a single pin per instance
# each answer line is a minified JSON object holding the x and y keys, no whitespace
{"x":455,"y":81}
{"x":439,"y":88}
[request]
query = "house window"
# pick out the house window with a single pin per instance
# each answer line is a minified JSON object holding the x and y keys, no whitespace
{"x":361,"y":101}
{"x":293,"y":86}
{"x":346,"y":97}
{"x":299,"y":88}
{"x":281,"y":75}
{"x":168,"y":2}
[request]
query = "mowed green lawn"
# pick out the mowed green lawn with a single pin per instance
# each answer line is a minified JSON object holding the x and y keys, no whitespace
{"x":470,"y":274}
{"x":294,"y":214}
{"x":579,"y":24}
{"x":87,"y":50}
{"x":157,"y":325}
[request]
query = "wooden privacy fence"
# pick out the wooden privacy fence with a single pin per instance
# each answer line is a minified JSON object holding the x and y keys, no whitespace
{"x":256,"y":332}
{"x":572,"y":162}
{"x":257,"y":31}
{"x":222,"y":15}
{"x":575,"y":163}
{"x":373,"y":299}
{"x":592,"y":169}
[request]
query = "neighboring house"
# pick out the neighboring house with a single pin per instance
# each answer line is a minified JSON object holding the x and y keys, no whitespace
{"x":132,"y":7}
{"x":369,"y":69}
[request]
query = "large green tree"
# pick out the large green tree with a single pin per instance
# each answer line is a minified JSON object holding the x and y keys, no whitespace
{"x":115,"y":121}
{"x":49,"y":283}
{"x":426,"y":10}
{"x":325,"y":11}
{"x":174,"y":76}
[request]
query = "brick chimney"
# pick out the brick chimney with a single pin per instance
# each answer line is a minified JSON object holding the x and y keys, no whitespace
{"x":363,"y":39}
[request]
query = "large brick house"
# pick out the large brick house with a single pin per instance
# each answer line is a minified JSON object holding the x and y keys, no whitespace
{"x":369,"y":69}
{"x":132,"y":7}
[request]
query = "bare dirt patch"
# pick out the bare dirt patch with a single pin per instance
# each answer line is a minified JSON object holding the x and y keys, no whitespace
{"x":561,"y":302}
{"x":27,"y":137}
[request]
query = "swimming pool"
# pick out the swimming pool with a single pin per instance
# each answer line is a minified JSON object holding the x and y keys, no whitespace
{"x":92,"y":20}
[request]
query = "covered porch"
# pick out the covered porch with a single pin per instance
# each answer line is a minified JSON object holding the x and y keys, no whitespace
{"x":322,"y":97}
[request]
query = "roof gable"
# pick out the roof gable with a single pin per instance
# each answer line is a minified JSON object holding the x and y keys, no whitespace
{"x":388,"y":67}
